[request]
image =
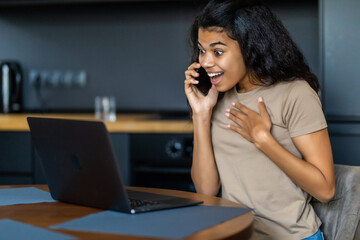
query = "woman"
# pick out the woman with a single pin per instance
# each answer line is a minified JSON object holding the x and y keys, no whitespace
{"x":260,"y":132}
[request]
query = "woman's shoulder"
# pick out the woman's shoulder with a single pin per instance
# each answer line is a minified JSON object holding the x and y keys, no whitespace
{"x":297,"y":84}
{"x":296,"y":87}
{"x":299,"y":92}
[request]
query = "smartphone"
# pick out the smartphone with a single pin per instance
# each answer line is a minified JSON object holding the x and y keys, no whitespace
{"x":204,"y":84}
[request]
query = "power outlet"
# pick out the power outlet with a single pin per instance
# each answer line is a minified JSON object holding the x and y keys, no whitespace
{"x":57,"y":78}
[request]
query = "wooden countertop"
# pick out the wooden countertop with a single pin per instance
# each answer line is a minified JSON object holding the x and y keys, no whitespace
{"x":125,"y":123}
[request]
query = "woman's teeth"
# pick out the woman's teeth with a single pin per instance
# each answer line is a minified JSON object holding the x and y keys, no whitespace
{"x":214,"y":74}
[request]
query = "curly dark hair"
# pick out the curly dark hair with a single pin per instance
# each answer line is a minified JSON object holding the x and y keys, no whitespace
{"x":269,"y":53}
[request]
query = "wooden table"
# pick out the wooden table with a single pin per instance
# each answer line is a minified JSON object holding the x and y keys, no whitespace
{"x":47,"y":214}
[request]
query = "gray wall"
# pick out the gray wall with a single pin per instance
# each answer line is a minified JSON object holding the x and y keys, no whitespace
{"x":340,"y":54}
{"x":134,"y":51}
{"x":341,"y":57}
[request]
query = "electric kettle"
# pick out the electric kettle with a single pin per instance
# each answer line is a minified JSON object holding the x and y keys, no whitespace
{"x":10,"y":87}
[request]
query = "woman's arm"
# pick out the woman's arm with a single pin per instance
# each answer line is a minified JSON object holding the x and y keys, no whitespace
{"x":315,"y":175}
{"x":204,"y":172}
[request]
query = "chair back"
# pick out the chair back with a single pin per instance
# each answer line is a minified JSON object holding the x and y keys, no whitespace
{"x":340,"y":216}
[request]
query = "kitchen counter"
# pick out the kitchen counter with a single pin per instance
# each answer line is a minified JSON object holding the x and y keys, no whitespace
{"x":125,"y":123}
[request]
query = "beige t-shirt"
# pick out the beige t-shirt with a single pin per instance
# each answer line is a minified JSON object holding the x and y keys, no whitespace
{"x":249,"y":177}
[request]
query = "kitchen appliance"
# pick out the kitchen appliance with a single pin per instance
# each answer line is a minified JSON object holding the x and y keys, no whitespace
{"x":10,"y":87}
{"x":163,"y":161}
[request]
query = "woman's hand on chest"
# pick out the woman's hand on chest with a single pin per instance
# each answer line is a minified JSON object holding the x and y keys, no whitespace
{"x":251,"y":125}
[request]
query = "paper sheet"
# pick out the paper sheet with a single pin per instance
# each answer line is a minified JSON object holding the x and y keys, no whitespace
{"x":23,"y":196}
{"x":14,"y":230}
{"x":173,"y":223}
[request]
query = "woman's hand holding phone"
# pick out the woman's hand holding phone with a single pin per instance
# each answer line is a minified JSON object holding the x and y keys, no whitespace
{"x":198,"y":101}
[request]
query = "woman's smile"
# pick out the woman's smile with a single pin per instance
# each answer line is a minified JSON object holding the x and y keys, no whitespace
{"x":216,"y":78}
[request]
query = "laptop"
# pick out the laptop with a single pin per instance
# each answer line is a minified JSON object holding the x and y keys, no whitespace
{"x":81,"y":168}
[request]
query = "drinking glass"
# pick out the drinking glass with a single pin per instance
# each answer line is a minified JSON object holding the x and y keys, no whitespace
{"x":105,"y":108}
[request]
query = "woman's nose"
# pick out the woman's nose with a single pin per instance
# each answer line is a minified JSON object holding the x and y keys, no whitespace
{"x":207,"y":61}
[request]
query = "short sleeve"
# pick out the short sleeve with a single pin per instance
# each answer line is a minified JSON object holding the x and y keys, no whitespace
{"x":301,"y":110}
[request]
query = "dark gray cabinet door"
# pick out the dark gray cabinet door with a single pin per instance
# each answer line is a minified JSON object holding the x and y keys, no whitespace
{"x":15,"y":158}
{"x":341,"y":56}
{"x":345,"y":143}
{"x":15,"y":149}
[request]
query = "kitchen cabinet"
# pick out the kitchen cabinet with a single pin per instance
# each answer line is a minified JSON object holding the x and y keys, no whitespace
{"x":152,"y":160}
{"x":345,"y":143}
{"x":20,"y":164}
{"x":161,"y":160}
{"x":15,"y":158}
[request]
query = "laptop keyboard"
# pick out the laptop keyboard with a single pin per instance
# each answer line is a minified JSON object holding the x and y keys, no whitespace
{"x":136,"y":203}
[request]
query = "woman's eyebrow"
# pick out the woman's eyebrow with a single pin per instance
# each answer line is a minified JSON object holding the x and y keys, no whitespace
{"x":214,"y":44}
{"x":217,"y":43}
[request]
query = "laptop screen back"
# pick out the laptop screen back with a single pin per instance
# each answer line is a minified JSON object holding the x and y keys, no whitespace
{"x":79,"y":162}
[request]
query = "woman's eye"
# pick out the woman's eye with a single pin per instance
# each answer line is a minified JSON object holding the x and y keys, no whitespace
{"x":201,"y":51}
{"x":218,"y":53}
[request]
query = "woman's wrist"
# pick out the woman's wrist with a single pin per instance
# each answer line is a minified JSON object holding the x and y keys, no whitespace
{"x":204,"y":115}
{"x":263,"y":139}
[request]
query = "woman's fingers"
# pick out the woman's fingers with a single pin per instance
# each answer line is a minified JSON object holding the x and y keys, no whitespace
{"x":191,"y":74}
{"x":238,"y":114}
{"x":192,"y":68}
{"x":194,"y":65}
{"x":241,"y":107}
{"x":189,"y":86}
{"x":191,"y":71}
{"x":262,"y":108}
{"x":239,"y":129}
{"x":250,"y":123}
{"x":191,"y":81}
{"x":241,"y":120}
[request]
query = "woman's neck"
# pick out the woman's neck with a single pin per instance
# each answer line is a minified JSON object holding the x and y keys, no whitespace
{"x":248,"y":85}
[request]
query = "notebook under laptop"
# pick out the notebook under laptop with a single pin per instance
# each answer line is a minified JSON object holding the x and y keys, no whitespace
{"x":80,"y":167}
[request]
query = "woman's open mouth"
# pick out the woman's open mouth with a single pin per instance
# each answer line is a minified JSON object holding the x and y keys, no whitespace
{"x":216,"y":77}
